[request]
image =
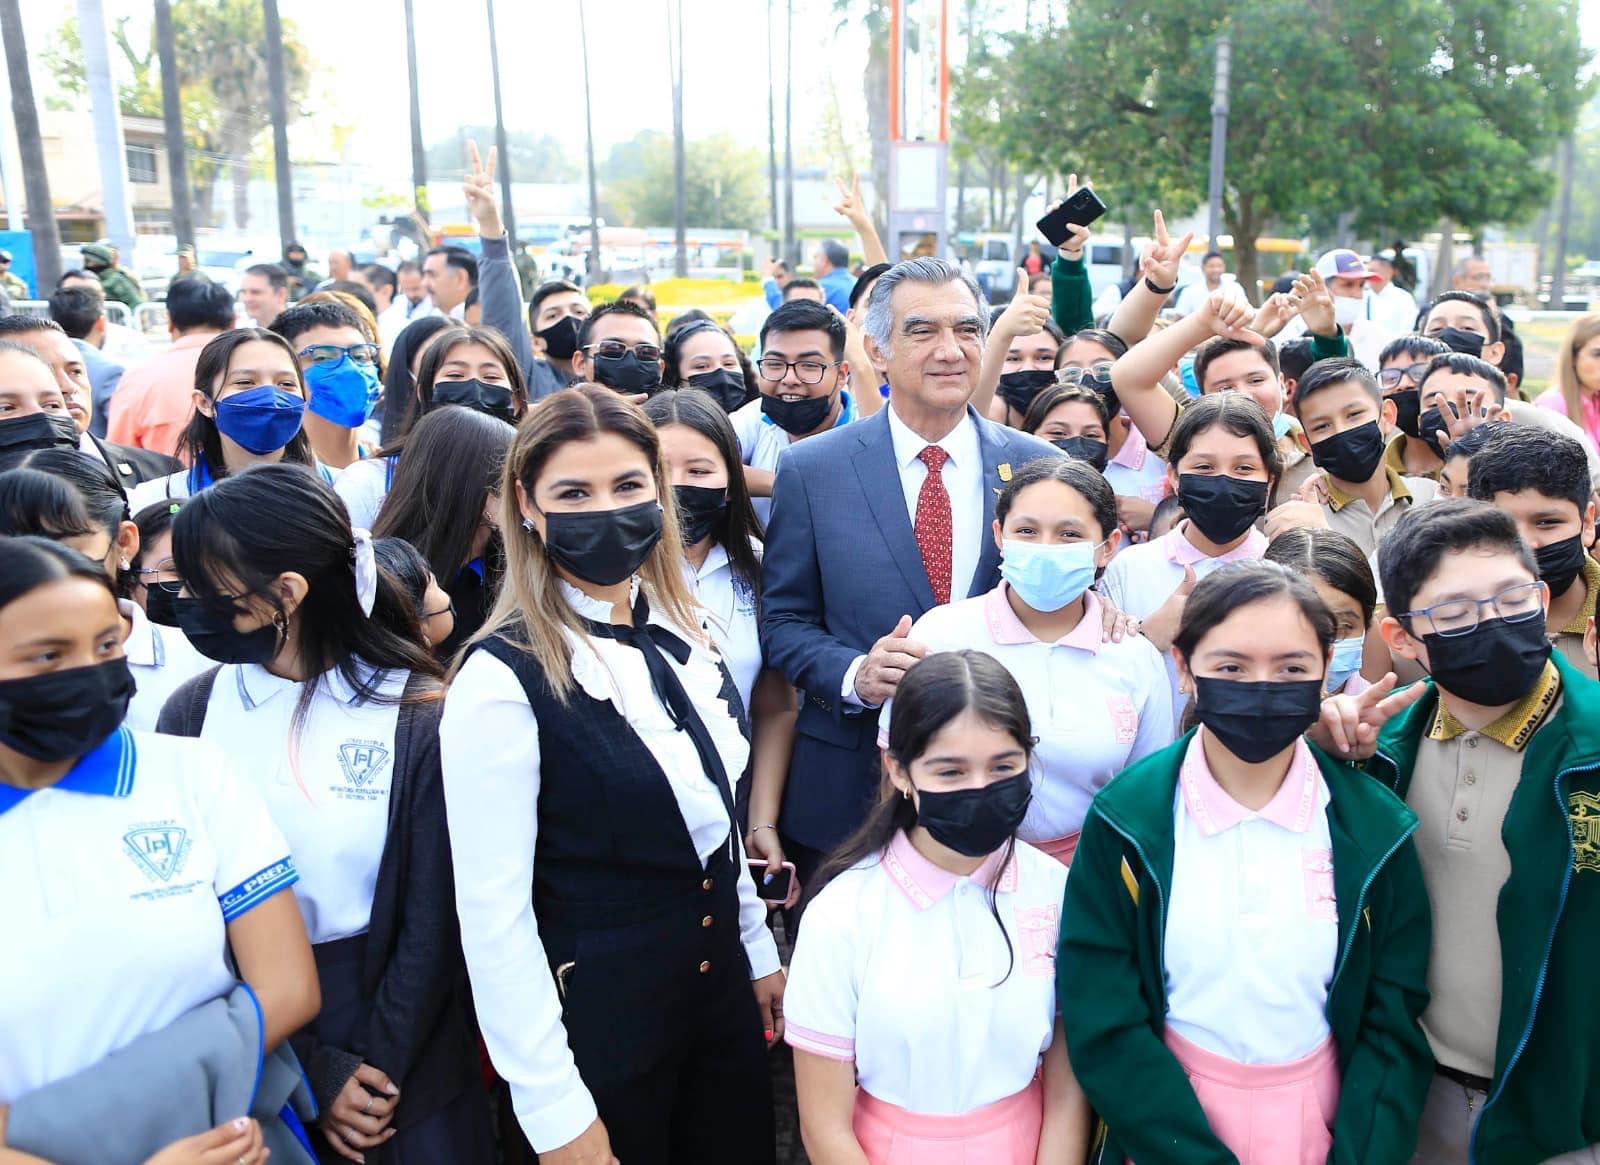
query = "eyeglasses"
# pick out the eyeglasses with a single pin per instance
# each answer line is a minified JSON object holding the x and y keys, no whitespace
{"x":616,"y":350}
{"x":775,"y":368}
{"x":1072,"y":374}
{"x":1391,"y":377}
{"x":448,"y":609}
{"x":1461,"y":616}
{"x":332,"y":353}
{"x":171,"y":585}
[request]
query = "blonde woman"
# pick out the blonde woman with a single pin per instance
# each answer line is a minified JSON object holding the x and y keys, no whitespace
{"x":625,"y":981}
{"x":1576,"y":393}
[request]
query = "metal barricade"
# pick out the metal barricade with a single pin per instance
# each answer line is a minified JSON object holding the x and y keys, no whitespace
{"x":151,"y":319}
{"x":117,"y":312}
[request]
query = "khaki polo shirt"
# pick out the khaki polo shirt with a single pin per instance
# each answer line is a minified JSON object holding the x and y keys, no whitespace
{"x":1352,"y":516}
{"x":1461,"y":786}
{"x":1394,"y":457}
{"x":1568,"y":640}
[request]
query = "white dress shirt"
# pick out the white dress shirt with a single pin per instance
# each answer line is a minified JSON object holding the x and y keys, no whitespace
{"x":902,"y":968}
{"x":730,"y":603}
{"x":489,"y":744}
{"x":160,"y":659}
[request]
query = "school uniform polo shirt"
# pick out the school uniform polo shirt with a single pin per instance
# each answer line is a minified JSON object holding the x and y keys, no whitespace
{"x":160,"y":658}
{"x":902,"y":969}
{"x":1568,"y":640}
{"x":1136,"y":471}
{"x":761,"y":443}
{"x":119,"y":882}
{"x":1253,"y":926}
{"x":1351,"y":516}
{"x":1461,"y":786}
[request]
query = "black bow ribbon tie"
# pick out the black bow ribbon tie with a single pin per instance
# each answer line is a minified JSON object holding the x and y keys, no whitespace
{"x":650,"y":640}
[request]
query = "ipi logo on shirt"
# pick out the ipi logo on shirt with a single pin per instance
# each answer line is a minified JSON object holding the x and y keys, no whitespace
{"x":158,"y":849}
{"x":362,"y":761}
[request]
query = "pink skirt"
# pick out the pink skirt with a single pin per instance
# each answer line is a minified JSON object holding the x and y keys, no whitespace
{"x":1003,"y":1133}
{"x":1267,"y":1114}
{"x":1062,"y":848}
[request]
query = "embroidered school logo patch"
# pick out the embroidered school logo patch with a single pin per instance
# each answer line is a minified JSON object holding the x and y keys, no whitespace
{"x":1039,"y":928}
{"x":158,"y":850}
{"x":362,"y":761}
{"x":1585,"y":809}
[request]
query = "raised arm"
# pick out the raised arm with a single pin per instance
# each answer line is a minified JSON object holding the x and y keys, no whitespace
{"x":851,"y":207}
{"x":1137,"y":312}
{"x":1024,"y":315}
{"x":499,"y":289}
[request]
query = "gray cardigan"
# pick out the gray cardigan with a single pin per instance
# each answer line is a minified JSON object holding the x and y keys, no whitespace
{"x":500,"y":299}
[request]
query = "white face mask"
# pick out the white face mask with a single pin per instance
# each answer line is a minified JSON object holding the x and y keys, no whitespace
{"x":1347,"y":311}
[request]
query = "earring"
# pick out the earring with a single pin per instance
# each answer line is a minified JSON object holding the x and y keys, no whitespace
{"x":126,"y":564}
{"x":527,"y":524}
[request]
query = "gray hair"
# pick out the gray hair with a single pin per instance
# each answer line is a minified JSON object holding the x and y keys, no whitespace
{"x":935,"y":272}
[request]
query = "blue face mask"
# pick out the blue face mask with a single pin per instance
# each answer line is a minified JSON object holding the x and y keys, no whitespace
{"x":1280,"y":425}
{"x":1047,"y":578}
{"x":1346,"y":661}
{"x":260,"y":420}
{"x":343,"y":391}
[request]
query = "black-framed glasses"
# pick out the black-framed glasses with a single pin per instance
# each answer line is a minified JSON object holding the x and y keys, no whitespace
{"x":616,"y":350}
{"x":448,"y":609}
{"x":1391,"y":377}
{"x":1073,"y":374}
{"x":808,"y":372}
{"x":1515,"y":604}
{"x":333,"y":353}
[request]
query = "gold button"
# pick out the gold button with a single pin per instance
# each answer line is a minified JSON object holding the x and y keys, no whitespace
{"x":706,"y":885}
{"x":706,"y":921}
{"x":705,"y":967}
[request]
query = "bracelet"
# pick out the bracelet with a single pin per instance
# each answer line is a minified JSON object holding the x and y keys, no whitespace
{"x":1159,"y":290}
{"x":755,"y":829}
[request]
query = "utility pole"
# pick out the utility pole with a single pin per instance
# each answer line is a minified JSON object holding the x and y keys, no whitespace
{"x":1558,"y":273}
{"x":680,"y":209}
{"x":1219,"y":135}
{"x":507,"y":213}
{"x":791,"y":249}
{"x":772,"y":126}
{"x":279,"y":96}
{"x":106,"y":110}
{"x":419,"y":160}
{"x":172,"y":121}
{"x":588,"y":133}
{"x":25,"y":114}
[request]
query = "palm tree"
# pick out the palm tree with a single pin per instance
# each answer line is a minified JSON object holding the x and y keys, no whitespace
{"x":172,"y":116}
{"x":280,"y":121}
{"x":41,"y":211}
{"x":419,"y":158}
{"x":507,"y":213}
{"x":588,"y":132}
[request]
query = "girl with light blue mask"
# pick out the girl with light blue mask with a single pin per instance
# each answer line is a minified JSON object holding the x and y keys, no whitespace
{"x":1343,"y":577}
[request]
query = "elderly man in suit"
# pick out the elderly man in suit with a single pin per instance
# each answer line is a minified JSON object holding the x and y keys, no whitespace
{"x":872,"y":525}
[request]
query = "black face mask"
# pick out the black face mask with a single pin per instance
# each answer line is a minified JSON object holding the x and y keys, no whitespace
{"x":209,"y":628}
{"x":975,"y":822}
{"x":1407,"y":410}
{"x":1353,"y":455}
{"x":627,"y":373}
{"x":39,"y":431}
{"x":1020,"y":389}
{"x":1222,"y":508}
{"x":603,"y":546}
{"x":495,"y":400}
{"x":561,"y":338}
{"x":1560,"y":563}
{"x":1496,"y":663}
{"x":1102,"y":385}
{"x":1430,"y":425}
{"x":1459,"y":340}
{"x":797,"y":417}
{"x":1084,"y":449}
{"x":1256,"y":720}
{"x":158,"y":605}
{"x":699,"y":509}
{"x":725,"y":384}
{"x":64,"y":714}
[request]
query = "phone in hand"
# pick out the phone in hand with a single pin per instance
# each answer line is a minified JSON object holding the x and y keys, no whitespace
{"x":777,"y":887}
{"x":1083,"y":208}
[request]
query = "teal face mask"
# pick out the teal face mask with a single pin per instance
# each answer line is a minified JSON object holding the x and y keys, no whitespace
{"x":1047,"y":578}
{"x":1346,"y":661}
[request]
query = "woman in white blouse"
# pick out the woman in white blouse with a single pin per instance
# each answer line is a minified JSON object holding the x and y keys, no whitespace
{"x":624,"y":980}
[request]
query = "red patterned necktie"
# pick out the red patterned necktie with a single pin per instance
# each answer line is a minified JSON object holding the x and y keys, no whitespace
{"x":933,"y":523}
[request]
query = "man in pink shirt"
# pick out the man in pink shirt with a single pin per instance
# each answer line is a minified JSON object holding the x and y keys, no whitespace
{"x":152,"y":405}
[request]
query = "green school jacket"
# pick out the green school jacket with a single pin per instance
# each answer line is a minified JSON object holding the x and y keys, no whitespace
{"x":1545,"y":1098}
{"x":1111,"y":979}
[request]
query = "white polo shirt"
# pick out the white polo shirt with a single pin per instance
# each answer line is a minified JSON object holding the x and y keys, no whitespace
{"x":1253,"y":924}
{"x":730,"y":603}
{"x":362,"y":487}
{"x":902,"y":968}
{"x":1135,"y":472}
{"x":327,"y":785}
{"x":160,"y":659}
{"x":1095,"y":707}
{"x":1143,"y":577}
{"x":119,"y":880}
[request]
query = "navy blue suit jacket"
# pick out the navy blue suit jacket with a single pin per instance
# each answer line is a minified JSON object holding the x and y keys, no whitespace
{"x":840,"y":567}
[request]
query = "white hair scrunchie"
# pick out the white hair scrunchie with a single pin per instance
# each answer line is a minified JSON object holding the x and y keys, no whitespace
{"x":366,"y":563}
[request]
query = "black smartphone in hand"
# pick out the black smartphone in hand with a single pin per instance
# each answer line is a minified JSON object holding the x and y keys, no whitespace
{"x":1083,"y":208}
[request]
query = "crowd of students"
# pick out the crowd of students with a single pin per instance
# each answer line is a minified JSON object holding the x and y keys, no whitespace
{"x":1132,"y":772}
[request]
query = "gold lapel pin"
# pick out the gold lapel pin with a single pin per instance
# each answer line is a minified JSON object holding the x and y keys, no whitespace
{"x":1005,"y":471}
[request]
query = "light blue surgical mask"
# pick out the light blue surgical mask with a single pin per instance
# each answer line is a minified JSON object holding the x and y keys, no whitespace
{"x":1047,"y":578}
{"x":1346,"y":661}
{"x":1281,"y":424}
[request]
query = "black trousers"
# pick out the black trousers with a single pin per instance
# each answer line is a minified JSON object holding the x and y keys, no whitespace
{"x":807,"y":864}
{"x":665,"y":1030}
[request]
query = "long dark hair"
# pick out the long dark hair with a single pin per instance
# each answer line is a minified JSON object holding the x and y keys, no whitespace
{"x":29,"y":562}
{"x":1236,"y":414}
{"x":1331,"y":556}
{"x":201,"y":443}
{"x":738,"y":525}
{"x":1238,"y":585}
{"x":488,"y":338}
{"x":932,"y":694}
{"x":242,"y":533}
{"x":102,"y":497}
{"x":454,"y":458}
{"x":400,"y":410}
{"x":400,"y":606}
{"x":36,"y":504}
{"x":1057,"y":395}
{"x":672,"y":354}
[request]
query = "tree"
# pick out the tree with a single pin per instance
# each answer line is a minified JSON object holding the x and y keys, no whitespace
{"x":536,"y":157}
{"x":725,"y":182}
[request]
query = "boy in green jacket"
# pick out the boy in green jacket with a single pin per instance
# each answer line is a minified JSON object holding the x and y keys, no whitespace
{"x":1500,"y":761}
